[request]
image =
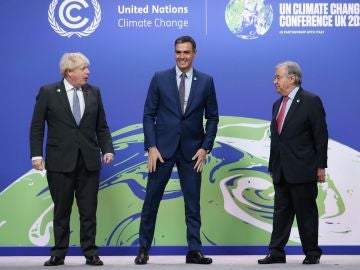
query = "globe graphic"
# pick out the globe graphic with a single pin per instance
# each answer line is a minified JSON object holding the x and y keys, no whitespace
{"x":237,"y":195}
{"x":248,"y":19}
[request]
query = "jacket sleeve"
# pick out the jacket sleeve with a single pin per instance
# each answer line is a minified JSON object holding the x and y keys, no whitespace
{"x":211,"y":116}
{"x":102,"y":129}
{"x":319,"y":131}
{"x":37,"y":126}
{"x":150,"y":113}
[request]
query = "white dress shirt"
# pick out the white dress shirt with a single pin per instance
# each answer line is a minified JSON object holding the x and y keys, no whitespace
{"x":70,"y":92}
{"x":188,"y":80}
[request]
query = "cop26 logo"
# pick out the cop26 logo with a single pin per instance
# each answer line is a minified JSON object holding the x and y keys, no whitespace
{"x":71,"y":17}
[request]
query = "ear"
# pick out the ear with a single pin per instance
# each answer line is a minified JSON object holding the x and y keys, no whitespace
{"x":68,"y":73}
{"x":292,"y":78}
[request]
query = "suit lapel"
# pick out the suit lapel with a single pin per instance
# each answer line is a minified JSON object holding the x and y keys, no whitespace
{"x":61,"y":93}
{"x":294,"y":105}
{"x":175,"y":88}
{"x":275,"y":113}
{"x":86,"y":92}
{"x":192,"y":90}
{"x":276,"y":109}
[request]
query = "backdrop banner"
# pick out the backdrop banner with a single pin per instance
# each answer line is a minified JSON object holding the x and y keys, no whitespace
{"x":239,"y":42}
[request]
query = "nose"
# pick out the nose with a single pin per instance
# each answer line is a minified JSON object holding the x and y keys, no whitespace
{"x":182,"y":55}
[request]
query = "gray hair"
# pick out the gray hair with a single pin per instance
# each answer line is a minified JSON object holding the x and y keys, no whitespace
{"x":70,"y":61}
{"x":292,"y":68}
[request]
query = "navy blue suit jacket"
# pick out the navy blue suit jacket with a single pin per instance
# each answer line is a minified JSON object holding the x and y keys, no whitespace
{"x":165,"y":126}
{"x":301,"y":147}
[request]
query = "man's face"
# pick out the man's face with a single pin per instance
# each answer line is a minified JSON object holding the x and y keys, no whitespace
{"x":283,"y":82}
{"x":185,"y":55}
{"x":78,"y":76}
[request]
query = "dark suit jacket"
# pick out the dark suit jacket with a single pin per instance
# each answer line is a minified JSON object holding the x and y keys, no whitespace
{"x":164,"y":124}
{"x":64,"y":137}
{"x":301,"y":147}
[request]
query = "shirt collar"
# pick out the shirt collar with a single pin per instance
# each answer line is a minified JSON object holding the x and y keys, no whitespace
{"x":293,"y":93}
{"x":189,"y":73}
{"x":69,"y":87}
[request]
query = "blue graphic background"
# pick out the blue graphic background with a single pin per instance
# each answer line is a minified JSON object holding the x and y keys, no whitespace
{"x":124,"y":59}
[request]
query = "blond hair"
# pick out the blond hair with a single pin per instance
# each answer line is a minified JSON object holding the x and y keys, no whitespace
{"x":70,"y":61}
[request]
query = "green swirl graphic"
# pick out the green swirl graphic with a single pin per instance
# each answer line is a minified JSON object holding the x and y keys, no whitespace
{"x":236,"y":200}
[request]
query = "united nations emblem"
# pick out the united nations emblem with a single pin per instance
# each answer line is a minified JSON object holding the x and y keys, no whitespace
{"x":71,"y":17}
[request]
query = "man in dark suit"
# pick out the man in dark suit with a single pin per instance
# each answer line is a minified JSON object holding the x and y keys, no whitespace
{"x":76,"y":133}
{"x":298,"y":158}
{"x":177,"y":101}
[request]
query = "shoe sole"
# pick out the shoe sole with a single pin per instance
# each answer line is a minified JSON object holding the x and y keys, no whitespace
{"x":54,"y":264}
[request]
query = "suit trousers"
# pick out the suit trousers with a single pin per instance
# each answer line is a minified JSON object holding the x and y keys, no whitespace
{"x":190,"y":182}
{"x":84,"y":185}
{"x":295,"y":200}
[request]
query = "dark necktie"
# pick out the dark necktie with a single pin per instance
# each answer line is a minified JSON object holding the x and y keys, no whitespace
{"x":182,"y":91}
{"x":280,"y":118}
{"x":76,"y":107}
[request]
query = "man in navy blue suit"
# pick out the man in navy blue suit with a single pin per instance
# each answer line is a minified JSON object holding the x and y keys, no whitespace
{"x":174,"y":134}
{"x":298,"y":158}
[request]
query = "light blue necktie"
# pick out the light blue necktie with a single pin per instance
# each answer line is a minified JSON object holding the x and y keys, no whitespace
{"x":76,"y":107}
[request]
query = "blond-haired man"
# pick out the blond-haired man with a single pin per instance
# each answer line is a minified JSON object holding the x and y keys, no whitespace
{"x":77,"y":132}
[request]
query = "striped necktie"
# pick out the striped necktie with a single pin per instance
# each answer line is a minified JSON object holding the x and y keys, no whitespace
{"x":280,"y":118}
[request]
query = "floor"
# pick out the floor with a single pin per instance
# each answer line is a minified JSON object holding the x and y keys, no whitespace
{"x":177,"y":262}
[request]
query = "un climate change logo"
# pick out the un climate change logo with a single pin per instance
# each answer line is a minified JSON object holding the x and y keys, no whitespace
{"x":248,"y":19}
{"x":73,"y":17}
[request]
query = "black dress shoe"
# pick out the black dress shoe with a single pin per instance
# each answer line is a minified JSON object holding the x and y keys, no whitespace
{"x":311,"y":259}
{"x":269,"y":259}
{"x":54,"y":261}
{"x":94,"y":260}
{"x":197,"y":257}
{"x":142,"y":257}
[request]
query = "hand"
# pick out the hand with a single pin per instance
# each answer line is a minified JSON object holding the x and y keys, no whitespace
{"x":108,"y":158}
{"x":200,"y":156}
{"x":321,"y":175}
{"x":38,"y":164}
{"x":153,"y":156}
